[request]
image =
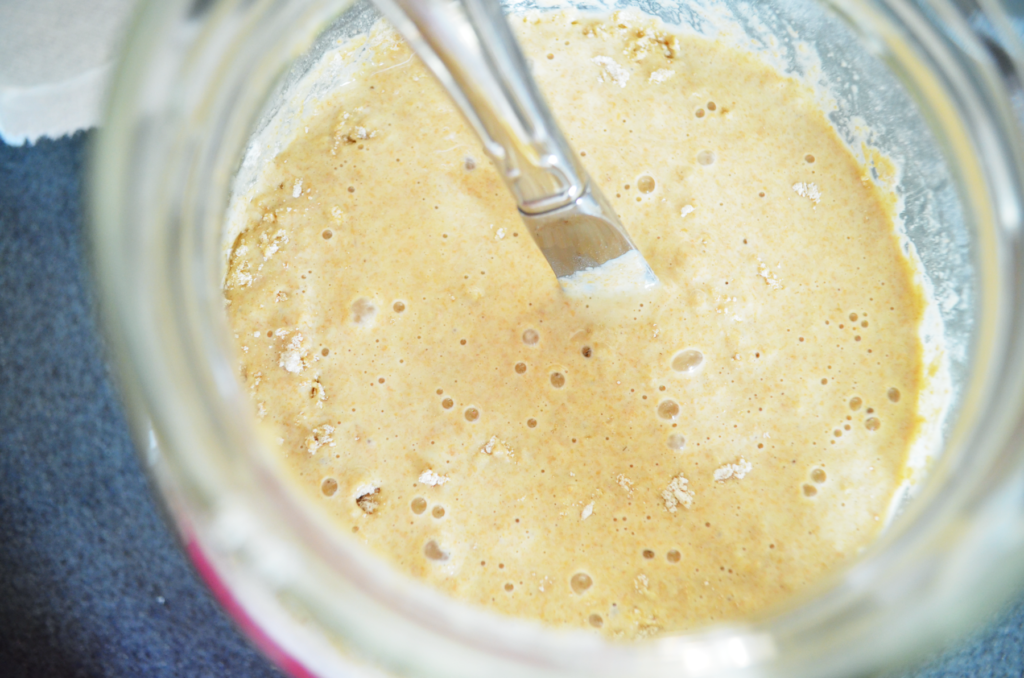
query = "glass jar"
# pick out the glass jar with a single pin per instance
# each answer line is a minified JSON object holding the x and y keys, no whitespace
{"x":940,"y":86}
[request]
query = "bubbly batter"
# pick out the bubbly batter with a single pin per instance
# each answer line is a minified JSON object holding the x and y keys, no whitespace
{"x":693,"y":454}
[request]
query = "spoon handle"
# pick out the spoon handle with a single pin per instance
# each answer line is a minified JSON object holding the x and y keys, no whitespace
{"x":469,"y":47}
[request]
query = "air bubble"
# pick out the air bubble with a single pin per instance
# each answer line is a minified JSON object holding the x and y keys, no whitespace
{"x":447,"y":403}
{"x":711,"y":106}
{"x":329,"y":486}
{"x":706,"y":158}
{"x":418,"y":505}
{"x":699,"y":113}
{"x":432,"y":551}
{"x":645,"y":184}
{"x":688,"y":360}
{"x":530,"y":337}
{"x":520,"y":368}
{"x":855,"y":403}
{"x":472,"y":414}
{"x":873,"y":423}
{"x":673,"y":556}
{"x":810,"y":490}
{"x":363,"y":311}
{"x":648,"y":554}
{"x":531,"y":422}
{"x":893,"y":394}
{"x":676,"y":442}
{"x":595,"y":620}
{"x":327,"y":234}
{"x":853,"y":317}
{"x":818,"y":475}
{"x":509,"y":586}
{"x":580,"y":582}
{"x":398,"y":307}
{"x":808,"y":158}
{"x":437,"y":511}
{"x":324,"y":352}
{"x":668,"y":409}
{"x":557,"y":379}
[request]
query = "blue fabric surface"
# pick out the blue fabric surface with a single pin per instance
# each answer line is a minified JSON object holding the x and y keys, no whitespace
{"x":91,"y":580}
{"x":85,"y":557}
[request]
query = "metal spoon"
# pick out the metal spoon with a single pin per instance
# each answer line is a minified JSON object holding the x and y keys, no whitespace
{"x":469,"y":47}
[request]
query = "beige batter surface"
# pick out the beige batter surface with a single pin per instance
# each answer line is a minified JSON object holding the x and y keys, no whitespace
{"x":692,"y":455}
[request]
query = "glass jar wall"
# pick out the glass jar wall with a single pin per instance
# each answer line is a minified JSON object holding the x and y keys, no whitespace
{"x":198,"y":79}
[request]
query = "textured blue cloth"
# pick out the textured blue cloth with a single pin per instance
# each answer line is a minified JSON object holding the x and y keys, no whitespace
{"x":91,"y":580}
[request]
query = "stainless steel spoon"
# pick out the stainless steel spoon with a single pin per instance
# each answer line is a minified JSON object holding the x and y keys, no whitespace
{"x":469,"y":47}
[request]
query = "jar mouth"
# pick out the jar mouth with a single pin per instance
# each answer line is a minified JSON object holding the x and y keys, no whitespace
{"x":190,"y":91}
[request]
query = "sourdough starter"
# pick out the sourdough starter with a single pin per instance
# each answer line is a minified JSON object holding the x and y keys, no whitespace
{"x":690,"y":454}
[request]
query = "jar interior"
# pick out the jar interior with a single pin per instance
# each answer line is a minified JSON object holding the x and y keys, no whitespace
{"x":249,"y":79}
{"x":870,"y":108}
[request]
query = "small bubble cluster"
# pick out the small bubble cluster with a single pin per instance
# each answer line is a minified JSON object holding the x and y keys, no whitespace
{"x":711,"y":106}
{"x":363,"y":311}
{"x":873,"y":423}
{"x":818,"y":476}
